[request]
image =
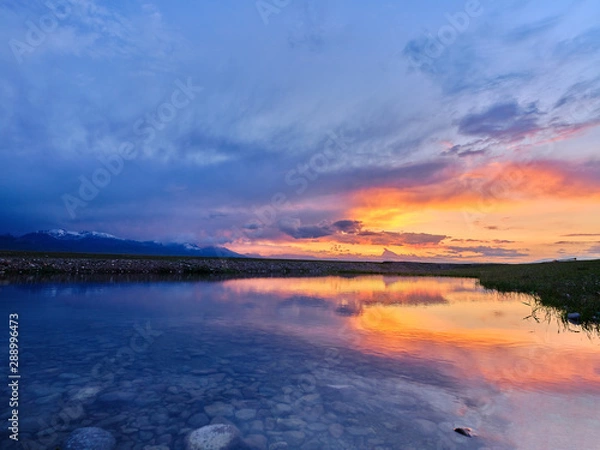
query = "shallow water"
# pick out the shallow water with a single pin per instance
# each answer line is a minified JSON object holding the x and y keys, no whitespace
{"x":314,"y":363}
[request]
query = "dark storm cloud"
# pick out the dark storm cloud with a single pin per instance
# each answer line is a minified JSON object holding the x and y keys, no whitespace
{"x":506,"y":121}
{"x":399,"y":239}
{"x":294,"y":228}
{"x":348,"y":226}
{"x":488,"y":251}
{"x":351,"y":231}
{"x":480,"y":147}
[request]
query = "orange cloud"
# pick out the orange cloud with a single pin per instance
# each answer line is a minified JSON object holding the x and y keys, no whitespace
{"x":494,"y":185}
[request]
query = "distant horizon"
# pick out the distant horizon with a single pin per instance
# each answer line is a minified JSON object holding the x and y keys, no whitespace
{"x":287,"y":257}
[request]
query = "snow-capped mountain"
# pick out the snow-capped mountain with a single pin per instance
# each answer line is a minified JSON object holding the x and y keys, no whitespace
{"x":64,"y":234}
{"x":60,"y":240}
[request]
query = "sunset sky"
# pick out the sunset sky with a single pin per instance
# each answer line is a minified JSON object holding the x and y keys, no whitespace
{"x":435,"y":131}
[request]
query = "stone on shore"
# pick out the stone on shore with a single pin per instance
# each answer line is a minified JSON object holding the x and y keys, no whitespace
{"x":574,"y":318}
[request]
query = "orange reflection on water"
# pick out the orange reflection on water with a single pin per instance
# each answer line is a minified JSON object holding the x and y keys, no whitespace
{"x":368,"y":289}
{"x":480,"y":340}
{"x":479,"y":334}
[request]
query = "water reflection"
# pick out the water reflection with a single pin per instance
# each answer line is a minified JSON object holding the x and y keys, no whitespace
{"x":417,"y":355}
{"x":478,"y":336}
{"x":347,"y":307}
{"x":483,"y":334}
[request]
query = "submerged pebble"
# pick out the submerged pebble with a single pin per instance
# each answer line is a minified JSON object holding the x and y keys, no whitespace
{"x":214,"y":437}
{"x":90,"y":438}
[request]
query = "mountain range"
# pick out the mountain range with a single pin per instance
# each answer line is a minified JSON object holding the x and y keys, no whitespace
{"x":94,"y":242}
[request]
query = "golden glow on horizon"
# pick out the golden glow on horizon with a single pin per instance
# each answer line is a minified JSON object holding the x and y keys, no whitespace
{"x":523,"y":209}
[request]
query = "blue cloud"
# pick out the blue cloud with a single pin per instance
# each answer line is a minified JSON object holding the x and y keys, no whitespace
{"x":506,"y":121}
{"x":533,"y":29}
{"x":583,"y":45}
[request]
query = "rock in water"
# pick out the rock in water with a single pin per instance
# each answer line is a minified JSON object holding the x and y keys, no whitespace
{"x":574,"y":318}
{"x":214,"y":437}
{"x":90,"y":438}
{"x":465,"y":431}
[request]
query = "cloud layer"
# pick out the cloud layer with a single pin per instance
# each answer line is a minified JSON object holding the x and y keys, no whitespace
{"x":317,"y":132}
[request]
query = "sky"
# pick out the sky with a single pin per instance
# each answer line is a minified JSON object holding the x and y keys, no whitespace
{"x":435,"y":131}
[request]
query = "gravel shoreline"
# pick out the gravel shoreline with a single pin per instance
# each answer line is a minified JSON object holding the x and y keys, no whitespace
{"x":112,"y":265}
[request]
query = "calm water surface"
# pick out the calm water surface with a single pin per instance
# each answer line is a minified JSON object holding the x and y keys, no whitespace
{"x":311,"y":363}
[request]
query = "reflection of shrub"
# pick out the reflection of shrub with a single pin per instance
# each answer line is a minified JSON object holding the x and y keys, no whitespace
{"x":568,"y":287}
{"x":349,"y":308}
{"x":569,"y":321}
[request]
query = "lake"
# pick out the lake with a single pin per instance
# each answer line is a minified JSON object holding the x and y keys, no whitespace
{"x":373,"y":362}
